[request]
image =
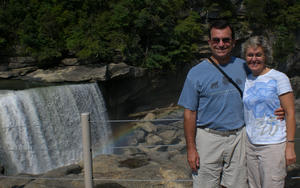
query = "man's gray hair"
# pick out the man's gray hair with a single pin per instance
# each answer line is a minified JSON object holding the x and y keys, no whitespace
{"x":259,"y":41}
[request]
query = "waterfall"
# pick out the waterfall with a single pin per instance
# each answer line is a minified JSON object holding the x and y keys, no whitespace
{"x":40,"y":128}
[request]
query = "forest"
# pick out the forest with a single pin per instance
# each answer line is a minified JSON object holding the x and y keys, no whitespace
{"x":155,"y":34}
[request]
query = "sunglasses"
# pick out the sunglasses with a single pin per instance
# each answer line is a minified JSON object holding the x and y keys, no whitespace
{"x":217,"y":40}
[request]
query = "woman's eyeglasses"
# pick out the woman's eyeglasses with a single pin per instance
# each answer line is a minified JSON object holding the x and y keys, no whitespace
{"x":257,"y":55}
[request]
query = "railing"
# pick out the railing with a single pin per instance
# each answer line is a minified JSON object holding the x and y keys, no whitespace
{"x":87,"y":156}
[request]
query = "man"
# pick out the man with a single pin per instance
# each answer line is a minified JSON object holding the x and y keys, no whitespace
{"x":215,"y":150}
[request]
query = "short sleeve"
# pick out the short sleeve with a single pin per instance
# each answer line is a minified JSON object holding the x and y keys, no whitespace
{"x":284,"y":85}
{"x":189,"y":97}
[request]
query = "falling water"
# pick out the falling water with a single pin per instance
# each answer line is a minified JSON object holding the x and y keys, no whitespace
{"x":40,"y":128}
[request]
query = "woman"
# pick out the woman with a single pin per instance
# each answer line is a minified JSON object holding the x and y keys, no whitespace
{"x":270,"y":144}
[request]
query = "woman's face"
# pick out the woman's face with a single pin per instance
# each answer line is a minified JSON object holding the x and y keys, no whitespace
{"x":255,"y":58}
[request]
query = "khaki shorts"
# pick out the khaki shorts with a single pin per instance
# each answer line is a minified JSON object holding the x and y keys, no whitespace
{"x":266,"y":165}
{"x":222,"y":160}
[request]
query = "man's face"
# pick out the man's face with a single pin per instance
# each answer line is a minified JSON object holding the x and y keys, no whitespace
{"x":221,"y":42}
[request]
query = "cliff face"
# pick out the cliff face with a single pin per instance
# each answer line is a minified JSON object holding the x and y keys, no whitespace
{"x":67,"y":70}
{"x":130,"y":89}
{"x":127,"y":89}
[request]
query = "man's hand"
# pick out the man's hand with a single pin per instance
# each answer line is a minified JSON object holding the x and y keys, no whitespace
{"x":193,"y":159}
{"x":279,"y":112}
{"x":190,"y":135}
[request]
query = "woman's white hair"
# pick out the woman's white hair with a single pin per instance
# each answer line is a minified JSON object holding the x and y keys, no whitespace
{"x":259,"y":41}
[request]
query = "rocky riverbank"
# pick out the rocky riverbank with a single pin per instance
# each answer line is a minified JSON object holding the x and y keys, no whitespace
{"x":157,"y":160}
{"x":67,"y":70}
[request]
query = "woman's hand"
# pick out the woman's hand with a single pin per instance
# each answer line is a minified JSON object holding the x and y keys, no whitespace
{"x":280,"y":113}
{"x":290,"y":154}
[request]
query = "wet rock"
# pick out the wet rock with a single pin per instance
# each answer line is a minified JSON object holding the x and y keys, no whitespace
{"x":134,"y":162}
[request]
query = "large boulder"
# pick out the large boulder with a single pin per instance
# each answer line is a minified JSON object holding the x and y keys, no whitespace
{"x":67,"y":70}
{"x":69,"y":74}
{"x":21,"y":62}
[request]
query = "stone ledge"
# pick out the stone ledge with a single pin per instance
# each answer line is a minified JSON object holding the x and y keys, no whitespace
{"x":71,"y":73}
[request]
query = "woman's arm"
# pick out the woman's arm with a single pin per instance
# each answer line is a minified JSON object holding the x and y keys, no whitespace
{"x":287,"y":103}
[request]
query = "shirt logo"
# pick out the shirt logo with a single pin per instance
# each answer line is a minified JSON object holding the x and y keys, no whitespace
{"x":214,"y":85}
{"x":262,"y":100}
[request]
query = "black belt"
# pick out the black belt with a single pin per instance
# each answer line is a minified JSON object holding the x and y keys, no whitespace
{"x":222,"y":133}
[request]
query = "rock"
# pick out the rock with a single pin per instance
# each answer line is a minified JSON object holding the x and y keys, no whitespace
{"x":110,"y":167}
{"x":69,"y":70}
{"x":3,"y":67}
{"x":139,"y":137}
{"x":168,"y":136}
{"x":109,"y":185}
{"x":6,"y":74}
{"x":65,"y":171}
{"x":293,"y":171}
{"x":57,"y":178}
{"x":134,"y":162}
{"x":22,"y":71}
{"x":20,"y":62}
{"x":297,"y":109}
{"x":295,"y":82}
{"x":118,"y":70}
{"x":69,"y":74}
{"x":18,"y":182}
{"x":149,"y":116}
{"x":154,"y":140}
{"x":137,"y":72}
{"x":181,"y":161}
{"x":70,"y":61}
{"x":159,"y":166}
{"x":14,"y":73}
{"x":148,"y":127}
{"x":121,"y":70}
{"x":169,"y":176}
{"x":291,"y":66}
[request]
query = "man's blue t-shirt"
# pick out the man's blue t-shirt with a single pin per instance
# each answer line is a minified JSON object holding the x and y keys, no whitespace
{"x":218,"y":103}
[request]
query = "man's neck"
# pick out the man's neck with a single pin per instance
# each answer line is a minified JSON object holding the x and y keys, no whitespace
{"x":221,"y":61}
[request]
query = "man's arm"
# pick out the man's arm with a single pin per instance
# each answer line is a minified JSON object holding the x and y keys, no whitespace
{"x":190,"y":134}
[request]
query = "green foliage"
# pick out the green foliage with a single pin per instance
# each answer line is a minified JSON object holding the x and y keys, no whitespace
{"x":224,"y":8}
{"x":284,"y":43}
{"x":292,"y":16}
{"x":187,"y":35}
{"x":157,"y":34}
{"x":272,"y":13}
{"x":11,"y":14}
{"x":281,"y":17}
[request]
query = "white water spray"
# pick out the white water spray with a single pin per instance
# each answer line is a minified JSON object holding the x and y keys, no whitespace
{"x":40,"y":128}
